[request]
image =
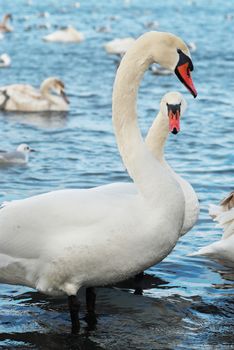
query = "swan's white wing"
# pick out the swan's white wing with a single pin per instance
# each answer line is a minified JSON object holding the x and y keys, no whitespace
{"x":39,"y":219}
{"x":24,"y":98}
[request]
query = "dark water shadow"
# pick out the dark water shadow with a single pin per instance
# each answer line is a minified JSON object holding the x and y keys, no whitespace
{"x":125,"y":321}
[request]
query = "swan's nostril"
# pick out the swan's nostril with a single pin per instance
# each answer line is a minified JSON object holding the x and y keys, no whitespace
{"x":174,"y":131}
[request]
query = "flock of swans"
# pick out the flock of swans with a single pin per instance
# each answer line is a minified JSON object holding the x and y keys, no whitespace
{"x":60,"y":241}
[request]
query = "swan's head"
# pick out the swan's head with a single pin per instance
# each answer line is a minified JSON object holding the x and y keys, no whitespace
{"x":56,"y":85}
{"x":172,"y":53}
{"x":24,"y":148}
{"x":173,"y":106}
{"x":8,"y":17}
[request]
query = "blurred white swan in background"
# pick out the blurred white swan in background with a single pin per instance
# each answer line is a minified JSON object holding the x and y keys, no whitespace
{"x":69,"y":34}
{"x":19,"y":156}
{"x":5,"y":60}
{"x":4,"y":25}
{"x":59,"y":241}
{"x":224,"y":248}
{"x":119,"y":46}
{"x":158,"y":70}
{"x":22,"y":97}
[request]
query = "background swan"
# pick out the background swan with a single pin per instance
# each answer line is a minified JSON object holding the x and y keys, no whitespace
{"x":4,"y":25}
{"x":19,"y":156}
{"x":69,"y":34}
{"x":224,"y":248}
{"x":119,"y":46}
{"x":59,"y":241}
{"x":21,"y":97}
{"x":5,"y":60}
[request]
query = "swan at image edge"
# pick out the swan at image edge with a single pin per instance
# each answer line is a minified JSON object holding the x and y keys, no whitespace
{"x":25,"y":98}
{"x":224,"y":248}
{"x":86,"y":238}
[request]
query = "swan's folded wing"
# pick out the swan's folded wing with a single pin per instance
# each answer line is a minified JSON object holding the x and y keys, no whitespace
{"x":26,"y":226}
{"x":226,"y":222}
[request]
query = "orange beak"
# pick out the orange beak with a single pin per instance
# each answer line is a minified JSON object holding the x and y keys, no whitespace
{"x":184,"y":74}
{"x":174,"y":118}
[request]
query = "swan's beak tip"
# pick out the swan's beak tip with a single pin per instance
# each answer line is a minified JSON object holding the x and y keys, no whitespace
{"x":174,"y":131}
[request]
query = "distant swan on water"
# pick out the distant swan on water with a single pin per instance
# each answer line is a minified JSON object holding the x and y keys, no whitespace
{"x":69,"y":34}
{"x":5,"y":60}
{"x":59,"y":241}
{"x":4,"y":25}
{"x":119,"y":46}
{"x":22,"y":97}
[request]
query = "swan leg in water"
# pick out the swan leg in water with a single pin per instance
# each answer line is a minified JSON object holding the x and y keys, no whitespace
{"x":3,"y":104}
{"x":91,"y":317}
{"x":74,"y":308}
{"x":138,"y":283}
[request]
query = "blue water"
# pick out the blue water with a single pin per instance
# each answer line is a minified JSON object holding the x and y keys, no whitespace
{"x":192,"y":307}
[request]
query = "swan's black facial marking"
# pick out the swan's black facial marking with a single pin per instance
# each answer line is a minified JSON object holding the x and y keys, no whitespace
{"x":174,"y":117}
{"x":183,"y":58}
{"x":173,"y":108}
{"x":183,"y":69}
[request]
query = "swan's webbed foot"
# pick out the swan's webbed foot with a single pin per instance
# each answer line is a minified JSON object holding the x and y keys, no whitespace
{"x":3,"y":104}
{"x":138,"y":283}
{"x":74,"y":308}
{"x":91,"y":317}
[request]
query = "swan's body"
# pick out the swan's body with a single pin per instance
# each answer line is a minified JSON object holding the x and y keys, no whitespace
{"x":19,"y":156}
{"x":119,"y":46}
{"x":5,"y":60}
{"x":62,"y":240}
{"x":224,"y":248}
{"x":4,"y":25}
{"x":66,"y":35}
{"x":21,"y":97}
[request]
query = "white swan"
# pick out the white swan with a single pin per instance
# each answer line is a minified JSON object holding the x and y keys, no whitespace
{"x":21,"y":97}
{"x":59,"y":241}
{"x":119,"y":46}
{"x":4,"y":25}
{"x":19,"y":156}
{"x":223,"y":250}
{"x":172,"y":106}
{"x":66,"y":35}
{"x":5,"y":60}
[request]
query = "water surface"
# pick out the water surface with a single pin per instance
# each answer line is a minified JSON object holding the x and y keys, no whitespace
{"x":190,"y":304}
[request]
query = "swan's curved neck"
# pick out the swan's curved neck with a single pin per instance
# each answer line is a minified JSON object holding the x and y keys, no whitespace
{"x":45,"y":88}
{"x":147,"y":173}
{"x":157,"y":136}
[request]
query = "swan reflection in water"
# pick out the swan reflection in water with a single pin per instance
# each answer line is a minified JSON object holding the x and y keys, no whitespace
{"x":45,"y":120}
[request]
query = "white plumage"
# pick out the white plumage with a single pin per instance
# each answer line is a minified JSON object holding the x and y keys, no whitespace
{"x":223,"y":250}
{"x":22,"y":97}
{"x":62,"y":240}
{"x":66,"y":35}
